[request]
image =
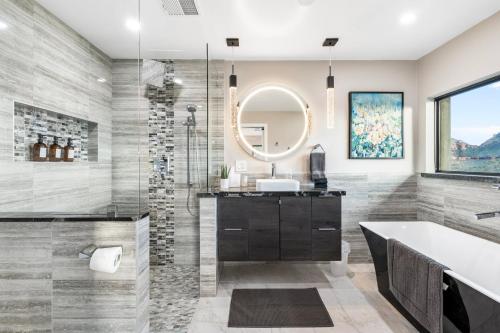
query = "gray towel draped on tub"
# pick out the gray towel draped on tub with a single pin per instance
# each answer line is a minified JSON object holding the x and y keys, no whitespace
{"x":416,"y":281}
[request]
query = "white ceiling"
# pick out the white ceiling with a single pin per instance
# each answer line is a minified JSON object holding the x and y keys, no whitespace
{"x":274,"y":29}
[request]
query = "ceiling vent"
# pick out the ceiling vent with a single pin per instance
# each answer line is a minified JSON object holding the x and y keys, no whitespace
{"x":180,"y":7}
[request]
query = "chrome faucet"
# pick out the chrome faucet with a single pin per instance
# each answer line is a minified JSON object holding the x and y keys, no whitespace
{"x":273,"y":170}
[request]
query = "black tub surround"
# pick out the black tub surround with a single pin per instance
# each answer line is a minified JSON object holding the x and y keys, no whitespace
{"x":243,"y":224}
{"x":465,"y":309}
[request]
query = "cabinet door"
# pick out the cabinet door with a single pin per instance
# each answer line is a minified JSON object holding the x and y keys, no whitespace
{"x":326,"y":244}
{"x":263,"y":228}
{"x":233,"y":212}
{"x":295,"y":228}
{"x":326,"y":212}
{"x":233,"y":244}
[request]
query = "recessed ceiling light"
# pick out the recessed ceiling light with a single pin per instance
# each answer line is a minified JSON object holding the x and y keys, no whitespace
{"x":408,"y":18}
{"x":101,"y":79}
{"x":305,"y":2}
{"x":3,"y":25}
{"x":133,"y":25}
{"x":178,"y":81}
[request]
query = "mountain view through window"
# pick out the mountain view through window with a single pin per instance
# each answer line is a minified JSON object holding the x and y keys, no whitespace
{"x":469,"y":130}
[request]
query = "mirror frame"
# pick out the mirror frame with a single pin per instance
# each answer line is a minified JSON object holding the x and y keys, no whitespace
{"x":267,"y":156}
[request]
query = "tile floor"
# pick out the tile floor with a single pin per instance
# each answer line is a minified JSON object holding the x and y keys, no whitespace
{"x":353,"y":301}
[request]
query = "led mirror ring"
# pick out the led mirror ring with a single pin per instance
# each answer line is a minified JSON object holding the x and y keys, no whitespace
{"x":264,"y":155}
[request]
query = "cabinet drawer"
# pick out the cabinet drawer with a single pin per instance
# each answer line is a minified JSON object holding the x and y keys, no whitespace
{"x":264,"y":244}
{"x":233,"y":244}
{"x":326,"y":244}
{"x":326,"y":212}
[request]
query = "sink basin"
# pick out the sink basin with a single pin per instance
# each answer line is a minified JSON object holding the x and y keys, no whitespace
{"x":277,"y":185}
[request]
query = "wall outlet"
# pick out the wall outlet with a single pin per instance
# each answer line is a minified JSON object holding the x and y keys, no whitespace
{"x":241,"y":166}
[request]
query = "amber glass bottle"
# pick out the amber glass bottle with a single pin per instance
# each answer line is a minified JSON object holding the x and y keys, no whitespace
{"x":55,"y":151}
{"x":69,"y":151}
{"x":40,"y":151}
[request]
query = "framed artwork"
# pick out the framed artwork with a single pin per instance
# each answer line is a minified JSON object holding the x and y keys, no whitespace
{"x":376,"y":125}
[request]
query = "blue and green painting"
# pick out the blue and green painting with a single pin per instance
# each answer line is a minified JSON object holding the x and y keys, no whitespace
{"x":376,"y":129}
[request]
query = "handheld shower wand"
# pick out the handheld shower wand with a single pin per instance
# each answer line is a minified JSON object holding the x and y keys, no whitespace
{"x":191,"y":122}
{"x":191,"y":108}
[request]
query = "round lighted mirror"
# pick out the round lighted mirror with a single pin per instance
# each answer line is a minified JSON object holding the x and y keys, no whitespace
{"x":272,"y":123}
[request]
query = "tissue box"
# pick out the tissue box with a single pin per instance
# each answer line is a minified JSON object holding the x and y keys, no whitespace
{"x":234,"y":179}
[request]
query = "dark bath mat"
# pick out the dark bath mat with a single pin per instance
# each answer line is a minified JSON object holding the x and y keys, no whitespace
{"x":278,"y":308}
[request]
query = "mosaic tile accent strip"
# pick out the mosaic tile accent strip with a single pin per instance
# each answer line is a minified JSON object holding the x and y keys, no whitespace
{"x":174,"y":297}
{"x":30,"y":121}
{"x":161,"y":157}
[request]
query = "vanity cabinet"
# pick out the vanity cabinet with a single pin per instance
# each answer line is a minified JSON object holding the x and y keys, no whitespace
{"x":258,"y":228}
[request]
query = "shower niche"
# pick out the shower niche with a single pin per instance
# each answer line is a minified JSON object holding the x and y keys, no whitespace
{"x":31,"y":121}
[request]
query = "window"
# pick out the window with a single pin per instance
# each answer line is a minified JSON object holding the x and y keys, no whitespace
{"x":468,"y":129}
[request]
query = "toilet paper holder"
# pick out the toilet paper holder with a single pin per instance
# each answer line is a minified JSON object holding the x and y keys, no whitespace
{"x":87,"y":252}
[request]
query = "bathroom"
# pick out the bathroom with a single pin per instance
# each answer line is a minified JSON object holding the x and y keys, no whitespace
{"x":220,"y":166}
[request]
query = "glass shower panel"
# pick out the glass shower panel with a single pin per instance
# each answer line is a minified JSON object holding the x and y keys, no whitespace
{"x":174,"y":83}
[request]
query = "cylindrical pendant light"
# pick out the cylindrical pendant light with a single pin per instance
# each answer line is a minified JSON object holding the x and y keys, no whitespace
{"x":233,"y":84}
{"x":330,"y":87}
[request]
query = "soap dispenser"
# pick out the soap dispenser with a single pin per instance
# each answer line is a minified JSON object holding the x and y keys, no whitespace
{"x":40,"y":150}
{"x":69,"y":151}
{"x":55,"y":151}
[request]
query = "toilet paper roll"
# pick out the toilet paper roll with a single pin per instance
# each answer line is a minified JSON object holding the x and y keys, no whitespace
{"x":106,"y":259}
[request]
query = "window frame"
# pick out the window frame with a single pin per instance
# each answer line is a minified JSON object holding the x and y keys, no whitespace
{"x":437,"y":126}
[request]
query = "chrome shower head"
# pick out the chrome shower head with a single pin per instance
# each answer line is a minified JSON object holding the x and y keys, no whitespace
{"x":191,"y":108}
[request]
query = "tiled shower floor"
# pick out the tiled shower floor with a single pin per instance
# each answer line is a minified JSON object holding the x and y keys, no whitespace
{"x":353,"y":301}
{"x":174,"y":294}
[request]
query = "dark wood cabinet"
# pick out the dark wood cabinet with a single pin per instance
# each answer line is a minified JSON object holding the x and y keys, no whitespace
{"x":264,"y":229}
{"x":233,"y":244}
{"x":326,"y":212}
{"x":279,"y":228}
{"x":251,"y":223}
{"x":326,"y":244}
{"x":326,"y":216}
{"x":295,"y":228}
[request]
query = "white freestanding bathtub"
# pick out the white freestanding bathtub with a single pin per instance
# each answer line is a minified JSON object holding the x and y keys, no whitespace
{"x":472,"y":300}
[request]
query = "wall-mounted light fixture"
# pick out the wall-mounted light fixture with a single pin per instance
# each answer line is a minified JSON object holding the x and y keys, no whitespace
{"x":233,"y":84}
{"x":330,"y":87}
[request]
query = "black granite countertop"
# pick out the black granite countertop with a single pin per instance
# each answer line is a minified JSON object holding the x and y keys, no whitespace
{"x":304,"y":191}
{"x":65,"y":217}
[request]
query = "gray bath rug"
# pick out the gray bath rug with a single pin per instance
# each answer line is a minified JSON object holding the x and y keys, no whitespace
{"x":278,"y":308}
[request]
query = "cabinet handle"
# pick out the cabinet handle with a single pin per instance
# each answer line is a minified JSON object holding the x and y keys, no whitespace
{"x":327,"y":229}
{"x":233,"y":229}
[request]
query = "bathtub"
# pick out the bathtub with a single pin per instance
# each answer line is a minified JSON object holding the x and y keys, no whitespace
{"x":471,"y":299}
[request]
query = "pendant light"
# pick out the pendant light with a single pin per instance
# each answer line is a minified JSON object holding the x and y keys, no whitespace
{"x":233,"y":83}
{"x":330,"y":86}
